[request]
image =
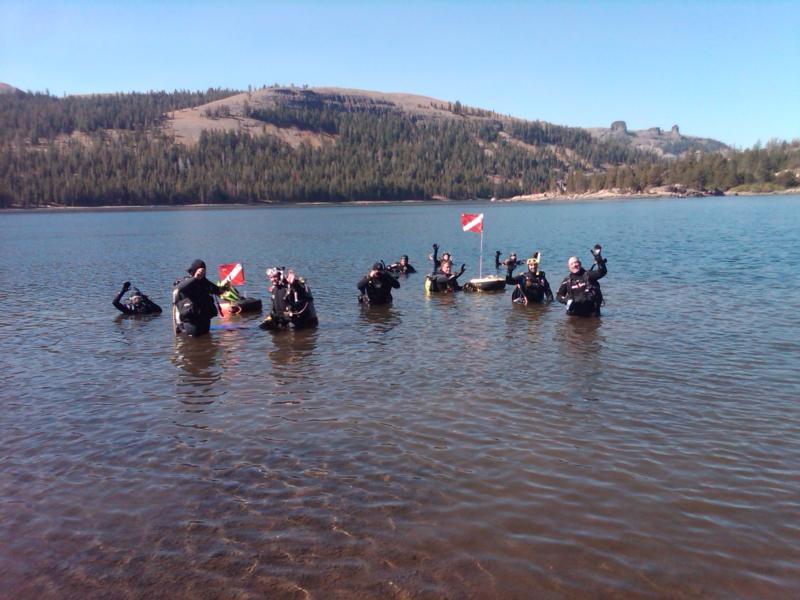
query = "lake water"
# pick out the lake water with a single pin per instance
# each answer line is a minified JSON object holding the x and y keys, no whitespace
{"x":446,"y":447}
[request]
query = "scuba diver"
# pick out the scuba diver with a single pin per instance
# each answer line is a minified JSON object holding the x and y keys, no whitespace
{"x":136,"y":304}
{"x":580,"y":290}
{"x":376,"y":286}
{"x":437,"y":262}
{"x":532,"y":285}
{"x":443,"y":279}
{"x":292,"y":302}
{"x":194,"y":301}
{"x":510,"y":263}
{"x":401,"y":266}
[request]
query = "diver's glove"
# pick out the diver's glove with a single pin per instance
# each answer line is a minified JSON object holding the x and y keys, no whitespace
{"x":126,"y":286}
{"x":436,"y":247}
{"x":596,"y":253}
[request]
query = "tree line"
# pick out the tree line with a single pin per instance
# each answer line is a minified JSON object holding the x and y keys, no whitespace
{"x":772,"y":168}
{"x":377,"y":153}
{"x":34,"y":116}
{"x":373,"y":159}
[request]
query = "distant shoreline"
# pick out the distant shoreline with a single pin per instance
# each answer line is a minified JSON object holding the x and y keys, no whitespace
{"x":601,"y":195}
{"x":655,"y":193}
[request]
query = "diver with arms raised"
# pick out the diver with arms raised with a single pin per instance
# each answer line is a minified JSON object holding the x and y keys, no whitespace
{"x":137,"y":303}
{"x":442,"y":278}
{"x":580,"y":290}
{"x":438,"y":262}
{"x":532,"y":285}
{"x":511,"y":262}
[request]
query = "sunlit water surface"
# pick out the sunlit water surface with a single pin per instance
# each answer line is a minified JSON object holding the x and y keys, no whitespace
{"x":445,"y":447}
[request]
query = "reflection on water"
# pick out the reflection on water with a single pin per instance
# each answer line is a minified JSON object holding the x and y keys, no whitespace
{"x":198,"y":370}
{"x":383,"y":317}
{"x":446,"y":446}
{"x":582,"y":337}
{"x":293,"y":347}
{"x":581,"y":341}
{"x":197,"y":360}
{"x":524,"y":324}
{"x":292,"y":355}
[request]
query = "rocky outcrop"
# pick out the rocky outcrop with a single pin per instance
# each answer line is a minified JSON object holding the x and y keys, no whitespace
{"x":667,"y":144}
{"x":619,"y":127}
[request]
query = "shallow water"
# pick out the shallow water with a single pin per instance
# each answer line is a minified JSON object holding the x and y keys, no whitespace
{"x":444,"y":447}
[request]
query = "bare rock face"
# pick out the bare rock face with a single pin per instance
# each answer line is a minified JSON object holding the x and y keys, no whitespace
{"x":675,"y":131}
{"x":619,"y":126}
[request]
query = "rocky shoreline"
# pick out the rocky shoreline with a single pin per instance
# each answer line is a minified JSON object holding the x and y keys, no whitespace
{"x":667,"y":191}
{"x":664,"y":191}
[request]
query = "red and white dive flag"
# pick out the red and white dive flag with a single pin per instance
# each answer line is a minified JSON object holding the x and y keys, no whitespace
{"x":472,"y":222}
{"x":233,"y":272}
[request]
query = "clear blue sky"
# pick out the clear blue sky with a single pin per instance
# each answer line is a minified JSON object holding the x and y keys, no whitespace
{"x":726,"y":70}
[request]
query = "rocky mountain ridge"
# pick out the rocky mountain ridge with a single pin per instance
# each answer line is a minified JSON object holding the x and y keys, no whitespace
{"x":668,"y":144}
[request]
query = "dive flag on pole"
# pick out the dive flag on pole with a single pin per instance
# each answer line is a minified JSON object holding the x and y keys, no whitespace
{"x":233,"y":272}
{"x":472,"y":222}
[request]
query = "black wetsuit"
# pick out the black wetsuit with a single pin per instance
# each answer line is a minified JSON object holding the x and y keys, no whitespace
{"x":398,"y":268}
{"x":510,"y":263}
{"x":378,"y":289}
{"x":581,"y":291}
{"x":199,"y":291}
{"x":437,"y":262}
{"x":292,"y":304}
{"x":441,"y":282}
{"x":144,"y":307}
{"x":533,"y":286}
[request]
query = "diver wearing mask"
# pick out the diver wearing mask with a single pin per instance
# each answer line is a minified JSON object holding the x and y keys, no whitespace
{"x":136,"y":303}
{"x":292,"y":303}
{"x":532,"y":285}
{"x":580,"y":290}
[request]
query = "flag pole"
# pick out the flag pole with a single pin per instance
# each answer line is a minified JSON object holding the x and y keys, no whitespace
{"x":480,"y":258}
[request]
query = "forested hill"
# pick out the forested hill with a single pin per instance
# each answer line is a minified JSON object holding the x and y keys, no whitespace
{"x":278,"y":144}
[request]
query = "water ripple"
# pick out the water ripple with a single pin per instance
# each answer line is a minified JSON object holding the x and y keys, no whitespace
{"x":443,"y":447}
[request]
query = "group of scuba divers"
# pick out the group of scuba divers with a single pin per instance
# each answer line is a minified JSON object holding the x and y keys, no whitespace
{"x":292,"y":304}
{"x":579,"y":291}
{"x":194,"y":303}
